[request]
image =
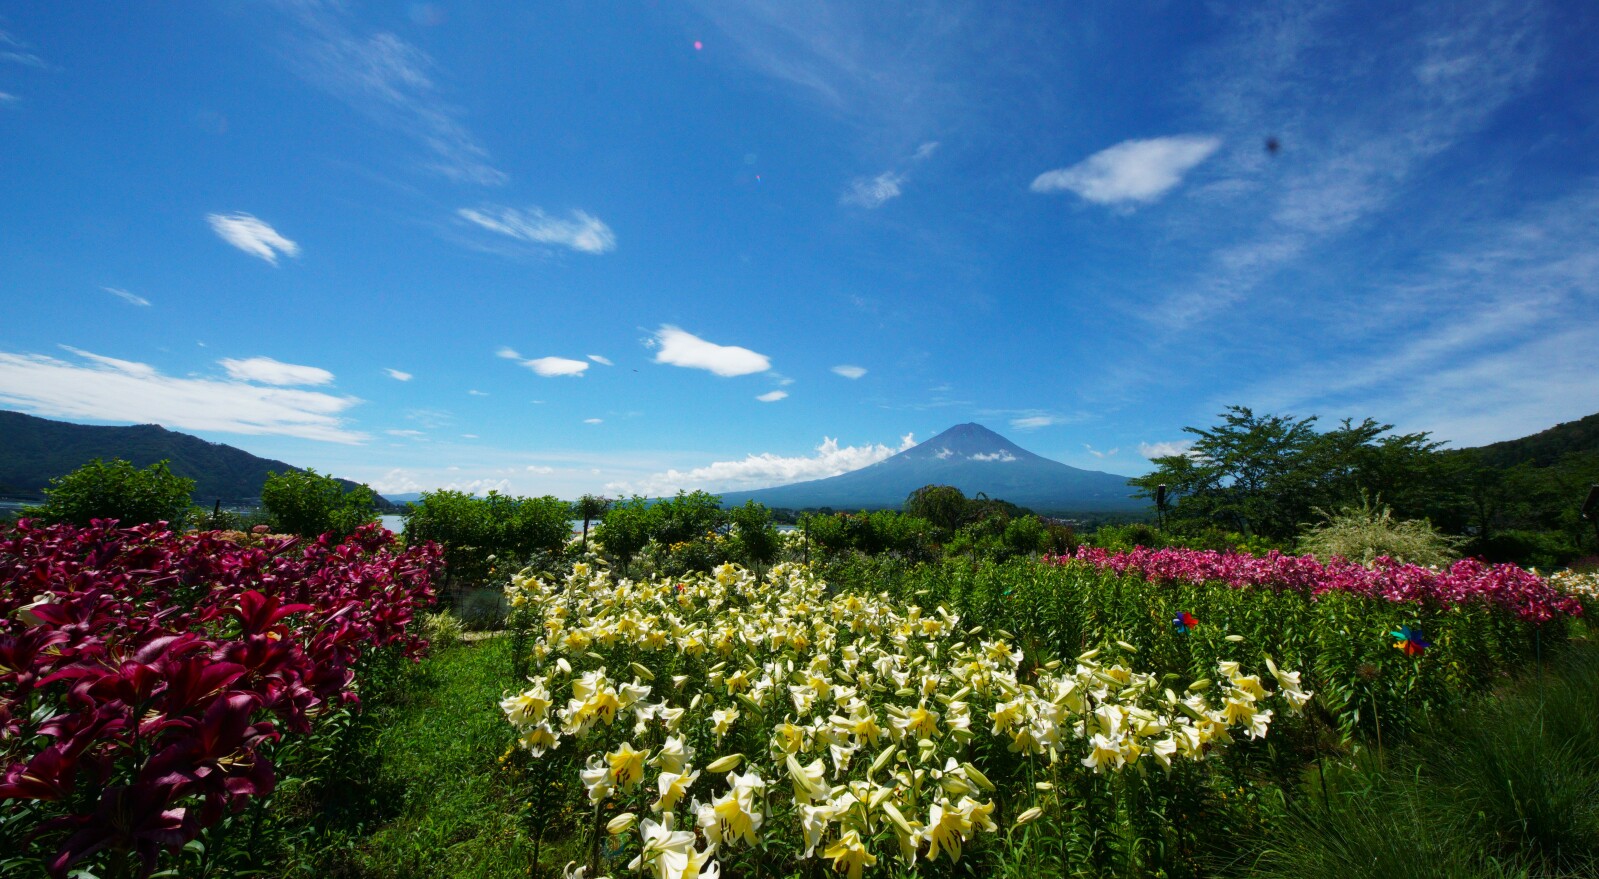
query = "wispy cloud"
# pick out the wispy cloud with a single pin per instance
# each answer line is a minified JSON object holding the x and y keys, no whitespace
{"x":390,"y":81}
{"x":274,"y":372}
{"x":848,"y":371}
{"x":251,"y":235}
{"x":1350,"y":143}
{"x":477,"y":393}
{"x":1033,"y":422}
{"x":603,"y":361}
{"x":7,"y":99}
{"x":399,"y":376}
{"x":1478,"y":342}
{"x":1100,"y":454}
{"x":680,"y":348}
{"x":1133,"y":171}
{"x":873,"y":192}
{"x":582,"y":232}
{"x":109,"y":389}
{"x":15,"y":51}
{"x":125,"y":296}
{"x":593,"y":421}
{"x":766,"y":469}
{"x":772,"y":396}
{"x":404,"y":433}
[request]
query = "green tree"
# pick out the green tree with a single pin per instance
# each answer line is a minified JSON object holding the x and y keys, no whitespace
{"x":1266,"y":474}
{"x":588,"y":508}
{"x":943,"y":505}
{"x":755,"y":536}
{"x":685,"y":517}
{"x":116,"y":490}
{"x":311,"y":504}
{"x":625,"y":529}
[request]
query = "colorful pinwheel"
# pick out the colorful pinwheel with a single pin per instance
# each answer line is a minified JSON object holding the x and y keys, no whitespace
{"x":1410,"y":641}
{"x":1184,"y":621}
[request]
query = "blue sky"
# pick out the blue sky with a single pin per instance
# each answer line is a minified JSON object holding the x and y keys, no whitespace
{"x":569,"y":247}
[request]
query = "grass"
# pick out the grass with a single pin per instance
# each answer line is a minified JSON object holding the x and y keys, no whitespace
{"x":1507,"y":788}
{"x":444,"y":807}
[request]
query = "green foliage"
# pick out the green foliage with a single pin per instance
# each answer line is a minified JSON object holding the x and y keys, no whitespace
{"x":942,"y":505}
{"x":116,"y":490}
{"x":879,"y":532}
{"x":685,"y":517}
{"x":1509,"y":788}
{"x":754,"y":535}
{"x":1364,"y":533}
{"x":1265,"y":474}
{"x":310,"y":504}
{"x":478,"y":533}
{"x":625,"y":529}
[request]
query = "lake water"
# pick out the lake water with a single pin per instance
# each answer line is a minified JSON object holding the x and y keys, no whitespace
{"x":397,"y":524}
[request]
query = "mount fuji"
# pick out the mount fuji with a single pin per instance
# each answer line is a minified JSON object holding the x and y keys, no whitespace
{"x":973,"y":459}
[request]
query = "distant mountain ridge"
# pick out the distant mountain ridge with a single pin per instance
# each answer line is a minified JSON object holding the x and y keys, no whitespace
{"x":34,"y":451}
{"x":973,"y":459}
{"x":1545,"y":447}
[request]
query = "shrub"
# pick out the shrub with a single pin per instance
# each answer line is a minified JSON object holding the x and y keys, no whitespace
{"x":310,"y":504}
{"x":1369,"y":531}
{"x":116,"y":490}
{"x":477,"y":533}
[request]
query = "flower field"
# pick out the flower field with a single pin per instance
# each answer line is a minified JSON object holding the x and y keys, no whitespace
{"x":1096,"y":714}
{"x":149,"y":678}
{"x":185,"y":705}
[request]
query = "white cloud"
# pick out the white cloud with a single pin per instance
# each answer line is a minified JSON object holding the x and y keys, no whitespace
{"x":130,"y":298}
{"x":593,"y":421}
{"x":1001,"y":456}
{"x":108,"y":389}
{"x":7,"y":99}
{"x":772,"y":396}
{"x":680,"y":348}
{"x":409,"y":433}
{"x":1099,"y":454}
{"x":926,"y":150}
{"x":274,"y":372}
{"x":1164,"y":449}
{"x":848,"y":371}
{"x":541,"y":470}
{"x":873,"y":192}
{"x":944,"y":454}
{"x":1131,"y":171}
{"x":603,"y":361}
{"x":399,"y":376}
{"x":252,"y":236}
{"x":469,"y":436}
{"x":582,"y":232}
{"x":554,"y":366}
{"x":1033,"y":422}
{"x":508,"y":354}
{"x":759,"y":471}
{"x":477,"y":393}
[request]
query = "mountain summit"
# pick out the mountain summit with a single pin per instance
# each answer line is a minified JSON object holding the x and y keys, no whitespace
{"x":973,"y":459}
